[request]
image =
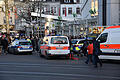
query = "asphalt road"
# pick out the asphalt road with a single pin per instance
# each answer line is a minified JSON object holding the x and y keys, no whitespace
{"x":32,"y":67}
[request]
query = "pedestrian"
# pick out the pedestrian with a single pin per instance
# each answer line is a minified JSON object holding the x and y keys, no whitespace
{"x":0,"y":45}
{"x":84,"y":48}
{"x":96,"y":53}
{"x":90,"y":53}
{"x":4,"y":43}
{"x":33,"y":43}
{"x":36,"y":43}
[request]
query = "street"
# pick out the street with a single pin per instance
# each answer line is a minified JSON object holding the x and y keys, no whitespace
{"x":33,"y":67}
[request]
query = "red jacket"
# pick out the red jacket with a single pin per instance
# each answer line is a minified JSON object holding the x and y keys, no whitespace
{"x":90,"y":49}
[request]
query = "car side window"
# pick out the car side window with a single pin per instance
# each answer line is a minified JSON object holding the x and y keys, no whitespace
{"x":44,"y":42}
{"x":81,"y":42}
{"x":103,"y":37}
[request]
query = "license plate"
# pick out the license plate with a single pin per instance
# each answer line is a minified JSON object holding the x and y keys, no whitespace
{"x":59,"y":47}
{"x":25,"y":47}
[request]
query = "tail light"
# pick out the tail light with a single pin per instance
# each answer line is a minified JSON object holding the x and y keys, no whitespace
{"x":19,"y":47}
{"x":68,"y":48}
{"x":49,"y":48}
{"x":31,"y":47}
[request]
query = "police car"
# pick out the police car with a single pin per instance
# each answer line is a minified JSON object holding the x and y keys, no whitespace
{"x":20,"y":46}
{"x":76,"y":45}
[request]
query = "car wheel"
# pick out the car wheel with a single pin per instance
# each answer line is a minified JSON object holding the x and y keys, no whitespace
{"x":30,"y":53}
{"x":40,"y":53}
{"x":14,"y":52}
{"x":9,"y":51}
{"x":47,"y":56}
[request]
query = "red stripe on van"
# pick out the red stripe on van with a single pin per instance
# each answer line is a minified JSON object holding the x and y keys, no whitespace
{"x":113,"y":27}
{"x":54,"y":47}
{"x":110,"y":46}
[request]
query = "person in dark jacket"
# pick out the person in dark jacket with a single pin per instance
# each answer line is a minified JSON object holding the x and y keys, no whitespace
{"x":33,"y":43}
{"x":4,"y":44}
{"x":96,"y":52}
{"x":36,"y":43}
{"x":84,"y":48}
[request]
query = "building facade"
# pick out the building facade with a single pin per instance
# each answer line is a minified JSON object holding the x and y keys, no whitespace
{"x":109,"y":12}
{"x":67,"y":16}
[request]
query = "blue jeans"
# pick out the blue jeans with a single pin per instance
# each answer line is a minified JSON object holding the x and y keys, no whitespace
{"x":89,"y":57}
{"x":96,"y":60}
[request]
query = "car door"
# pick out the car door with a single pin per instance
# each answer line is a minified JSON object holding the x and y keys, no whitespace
{"x":104,"y":42}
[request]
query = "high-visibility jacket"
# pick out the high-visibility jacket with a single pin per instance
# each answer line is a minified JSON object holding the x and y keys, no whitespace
{"x":90,"y":49}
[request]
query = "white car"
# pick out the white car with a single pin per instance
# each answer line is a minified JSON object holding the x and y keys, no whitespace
{"x":55,"y":46}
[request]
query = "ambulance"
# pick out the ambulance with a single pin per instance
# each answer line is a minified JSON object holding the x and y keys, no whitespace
{"x":55,"y":46}
{"x":110,"y":41}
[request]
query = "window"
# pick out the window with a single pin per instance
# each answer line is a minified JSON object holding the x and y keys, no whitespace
{"x":64,"y":10}
{"x":10,"y":20}
{"x":66,"y":1}
{"x":24,"y":43}
{"x":51,"y":9}
{"x":103,"y":37}
{"x":54,"y":9}
{"x":4,"y":20}
{"x":69,"y":10}
{"x":78,"y":1}
{"x":78,"y":10}
{"x":74,"y":41}
{"x":81,"y":42}
{"x":59,"y":40}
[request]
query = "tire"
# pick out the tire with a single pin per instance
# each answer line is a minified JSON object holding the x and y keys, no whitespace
{"x":15,"y":53}
{"x":67,"y":57}
{"x":40,"y":54}
{"x":47,"y":56}
{"x":30,"y":53}
{"x":9,"y":51}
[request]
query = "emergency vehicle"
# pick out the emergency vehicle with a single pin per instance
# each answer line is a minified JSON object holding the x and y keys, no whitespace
{"x":55,"y":46}
{"x":76,"y":45}
{"x":110,"y":40}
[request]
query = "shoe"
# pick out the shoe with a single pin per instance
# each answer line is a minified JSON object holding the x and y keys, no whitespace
{"x":100,"y":64}
{"x":86,"y":62}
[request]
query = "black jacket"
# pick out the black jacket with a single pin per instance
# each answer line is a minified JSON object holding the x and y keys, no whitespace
{"x":96,"y":48}
{"x":4,"y":43}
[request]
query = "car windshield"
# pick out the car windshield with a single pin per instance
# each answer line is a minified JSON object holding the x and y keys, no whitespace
{"x":24,"y":43}
{"x":59,"y":40}
{"x":81,"y":41}
{"x":74,"y":41}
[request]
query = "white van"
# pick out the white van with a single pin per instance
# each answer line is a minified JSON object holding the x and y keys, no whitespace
{"x":55,"y":46}
{"x":110,"y":40}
